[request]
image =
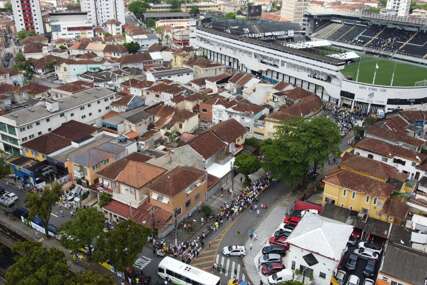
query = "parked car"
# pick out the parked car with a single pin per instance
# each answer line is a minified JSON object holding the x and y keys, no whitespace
{"x":353,"y":280}
{"x":234,"y":250}
{"x":366,"y":253}
{"x":279,"y":241}
{"x":298,"y":211}
{"x":351,"y":262}
{"x":280,"y":277}
{"x":282,"y":232}
{"x":8,"y":199}
{"x":270,"y":268}
{"x":370,"y":266}
{"x":371,"y":247}
{"x":341,"y":276}
{"x":269,"y":258}
{"x":286,"y":226}
{"x":368,"y":282}
{"x":278,"y":249}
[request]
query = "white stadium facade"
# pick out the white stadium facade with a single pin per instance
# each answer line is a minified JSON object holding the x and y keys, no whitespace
{"x":299,"y":64}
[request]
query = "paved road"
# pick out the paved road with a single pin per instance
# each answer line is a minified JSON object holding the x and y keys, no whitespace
{"x":237,"y":233}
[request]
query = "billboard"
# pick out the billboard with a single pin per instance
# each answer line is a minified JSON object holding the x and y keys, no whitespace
{"x":254,"y":10}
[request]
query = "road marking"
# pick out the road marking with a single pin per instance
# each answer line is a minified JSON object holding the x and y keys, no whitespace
{"x":53,"y":214}
{"x":232,"y":269}
{"x":217,"y":259}
{"x":243,"y":277}
{"x":238,"y":270}
{"x":222,"y":261}
{"x":226,"y":266}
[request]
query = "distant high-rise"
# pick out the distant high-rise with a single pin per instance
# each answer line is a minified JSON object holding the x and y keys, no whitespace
{"x":293,"y":10}
{"x":100,"y":11}
{"x":398,"y":7}
{"x":27,"y":16}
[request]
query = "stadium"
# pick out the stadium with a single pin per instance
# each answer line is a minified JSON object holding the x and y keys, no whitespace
{"x":363,"y":62}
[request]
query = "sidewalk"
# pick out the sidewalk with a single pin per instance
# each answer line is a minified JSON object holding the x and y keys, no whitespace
{"x":270,"y":222}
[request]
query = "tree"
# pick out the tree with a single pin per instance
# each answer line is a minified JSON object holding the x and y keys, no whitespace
{"x":121,"y":245}
{"x":150,"y":23}
{"x":138,"y":8}
{"x":8,"y":6}
{"x":37,"y":265}
{"x":104,"y":199}
{"x":175,"y":4}
{"x":92,"y":278}
{"x":83,"y":230}
{"x":247,"y":163}
{"x":24,"y":65}
{"x":41,"y":204}
{"x":194,"y":10}
{"x":300,"y":145}
{"x":132,"y":47}
{"x":230,"y":15}
{"x":24,"y":34}
{"x":4,"y":168}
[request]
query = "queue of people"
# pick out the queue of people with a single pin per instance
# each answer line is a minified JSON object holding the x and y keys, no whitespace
{"x":188,"y":250}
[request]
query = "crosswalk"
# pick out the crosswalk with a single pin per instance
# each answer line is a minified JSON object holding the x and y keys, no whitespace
{"x":231,"y":267}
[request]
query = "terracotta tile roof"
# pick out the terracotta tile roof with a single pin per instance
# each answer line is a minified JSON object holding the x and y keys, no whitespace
{"x":395,"y":123}
{"x":220,"y":78}
{"x":167,"y":88}
{"x":229,"y":130}
{"x":162,"y":113}
{"x":123,"y":101}
{"x":33,"y":48}
{"x":370,"y":167}
{"x":180,"y":116}
{"x":392,"y":135}
{"x":47,"y":143}
{"x":110,"y":114}
{"x":280,"y":86}
{"x":113,"y":22}
{"x":75,"y":86}
{"x":132,"y":170}
{"x":115,"y":49}
{"x":75,"y":131}
{"x":135,"y":83}
{"x":201,"y":62}
{"x":212,"y":181}
{"x":247,"y":107}
{"x":306,"y":106}
{"x":396,"y":207}
{"x":413,"y":116}
{"x":135,"y":58}
{"x":134,"y":30}
{"x":87,"y":55}
{"x":389,"y":150}
{"x":10,"y":71}
{"x":82,"y":44}
{"x":294,"y":94}
{"x":45,"y":61}
{"x":35,"y":39}
{"x":157,"y":47}
{"x":6,"y":88}
{"x":176,"y":180}
{"x":34,"y":88}
{"x":360,"y":183}
{"x":240,"y":78}
{"x":207,"y":144}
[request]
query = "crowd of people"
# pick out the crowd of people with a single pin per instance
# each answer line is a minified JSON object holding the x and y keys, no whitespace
{"x":346,"y":119}
{"x":190,"y":249}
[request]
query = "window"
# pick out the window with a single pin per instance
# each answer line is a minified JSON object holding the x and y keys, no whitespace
{"x":370,"y":156}
{"x":178,"y":211}
{"x":82,"y":107}
{"x":322,"y":275}
{"x":98,"y":102}
{"x":384,"y":159}
{"x":293,"y":265}
{"x":99,"y":110}
{"x":21,"y":129}
{"x":31,"y":136}
{"x":108,"y":107}
{"x":49,"y":129}
{"x":197,"y":196}
{"x":399,"y":161}
{"x":90,"y":114}
{"x":37,"y":123}
{"x":353,"y":195}
{"x":375,"y":200}
{"x":188,"y":203}
{"x":62,"y":115}
{"x":413,"y":164}
{"x":39,"y":133}
{"x":89,"y":105}
{"x":47,"y":120}
{"x":29,"y":127}
{"x":344,"y":193}
{"x":367,"y":199}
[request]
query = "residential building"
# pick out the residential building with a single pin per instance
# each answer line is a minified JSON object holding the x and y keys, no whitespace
{"x":366,"y":186}
{"x":127,"y":103}
{"x":27,"y":123}
{"x":293,"y":10}
{"x":316,"y":247}
{"x":114,"y":51}
{"x":70,"y":25}
{"x":27,"y":16}
{"x":178,"y":75}
{"x":399,"y":8}
{"x":113,"y":27}
{"x":135,"y":87}
{"x":11,"y":76}
{"x":143,"y":37}
{"x":163,"y":92}
{"x":70,"y":70}
{"x":100,"y":12}
{"x":69,"y":135}
{"x":71,"y":88}
{"x":402,"y":265}
{"x":203,"y":67}
{"x":83,"y":162}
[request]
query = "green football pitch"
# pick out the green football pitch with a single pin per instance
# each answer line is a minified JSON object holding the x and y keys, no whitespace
{"x":405,"y":74}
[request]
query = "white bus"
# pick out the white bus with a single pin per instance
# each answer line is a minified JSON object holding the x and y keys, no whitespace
{"x":183,"y":274}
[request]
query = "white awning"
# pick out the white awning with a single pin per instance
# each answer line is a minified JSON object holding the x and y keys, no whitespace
{"x":220,"y":170}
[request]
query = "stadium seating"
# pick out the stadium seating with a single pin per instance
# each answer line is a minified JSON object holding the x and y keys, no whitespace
{"x":352,"y":34}
{"x":339,"y":33}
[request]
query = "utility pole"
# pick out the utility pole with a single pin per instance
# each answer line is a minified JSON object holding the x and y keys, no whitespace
{"x":176,"y":226}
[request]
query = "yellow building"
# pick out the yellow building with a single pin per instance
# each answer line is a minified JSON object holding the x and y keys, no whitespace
{"x":364,"y":185}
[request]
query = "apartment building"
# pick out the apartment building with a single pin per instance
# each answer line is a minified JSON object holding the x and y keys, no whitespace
{"x":70,"y":25}
{"x":27,"y":123}
{"x":27,"y":16}
{"x":100,"y":11}
{"x":293,"y":10}
{"x":398,"y":7}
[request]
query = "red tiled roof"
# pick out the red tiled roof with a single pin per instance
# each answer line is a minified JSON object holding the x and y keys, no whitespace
{"x":229,"y":130}
{"x":34,"y":88}
{"x":135,"y":83}
{"x":47,"y":143}
{"x":176,"y":180}
{"x":6,"y":88}
{"x":75,"y":86}
{"x":135,"y":58}
{"x":393,"y":135}
{"x":115,"y":49}
{"x":33,"y":47}
{"x":75,"y":131}
{"x":207,"y":144}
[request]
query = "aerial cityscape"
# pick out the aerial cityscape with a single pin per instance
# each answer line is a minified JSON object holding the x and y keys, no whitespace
{"x":213,"y":142}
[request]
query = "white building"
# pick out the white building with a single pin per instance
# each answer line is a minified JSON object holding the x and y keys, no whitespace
{"x":27,"y":16}
{"x":293,"y":10}
{"x":179,"y":75}
{"x":316,"y":247}
{"x":27,"y":123}
{"x":398,"y":7}
{"x":100,"y":11}
{"x":70,"y":25}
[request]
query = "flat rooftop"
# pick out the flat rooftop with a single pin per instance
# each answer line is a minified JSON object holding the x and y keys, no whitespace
{"x":38,"y":111}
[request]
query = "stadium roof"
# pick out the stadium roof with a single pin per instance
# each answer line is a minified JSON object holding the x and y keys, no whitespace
{"x":275,"y":46}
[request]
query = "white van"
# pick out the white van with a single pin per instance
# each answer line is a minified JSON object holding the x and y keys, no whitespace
{"x":281,"y":276}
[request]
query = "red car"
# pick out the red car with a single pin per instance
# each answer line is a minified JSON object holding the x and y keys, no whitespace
{"x":298,"y":211}
{"x":281,"y":240}
{"x":271,"y":268}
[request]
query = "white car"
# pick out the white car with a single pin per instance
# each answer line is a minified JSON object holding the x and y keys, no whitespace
{"x":340,"y":276}
{"x":281,"y":276}
{"x":368,"y":282}
{"x":234,"y":250}
{"x":353,"y":280}
{"x":366,"y":253}
{"x":370,"y":247}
